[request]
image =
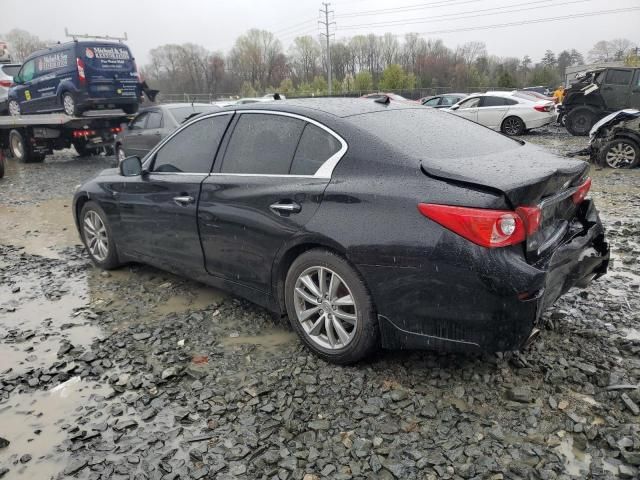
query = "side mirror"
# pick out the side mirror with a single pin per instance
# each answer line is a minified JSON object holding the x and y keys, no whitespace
{"x":131,"y":167}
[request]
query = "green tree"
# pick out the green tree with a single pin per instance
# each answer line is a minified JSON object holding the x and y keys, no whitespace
{"x":286,"y":86}
{"x":549,"y":59}
{"x":319,"y":85}
{"x":247,"y":90}
{"x":393,"y":78}
{"x":363,"y":81}
{"x":410,"y":81}
{"x":505,"y":80}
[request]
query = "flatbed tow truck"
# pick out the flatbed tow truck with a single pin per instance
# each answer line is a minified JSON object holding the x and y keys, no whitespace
{"x":30,"y":138}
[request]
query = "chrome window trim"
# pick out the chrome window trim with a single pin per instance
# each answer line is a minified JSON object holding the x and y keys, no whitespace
{"x":324,"y":172}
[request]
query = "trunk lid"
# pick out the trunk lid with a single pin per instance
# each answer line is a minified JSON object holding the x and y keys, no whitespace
{"x":526,"y":176}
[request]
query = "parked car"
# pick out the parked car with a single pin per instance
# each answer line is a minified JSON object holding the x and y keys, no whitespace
{"x":504,"y":112}
{"x":7,"y":72}
{"x":530,"y":95}
{"x":77,"y":76}
{"x":443,"y":101}
{"x":363,"y":229}
{"x":546,"y":91}
{"x":153,"y":124}
{"x":598,"y":93}
{"x":615,"y":140}
{"x":392,"y":96}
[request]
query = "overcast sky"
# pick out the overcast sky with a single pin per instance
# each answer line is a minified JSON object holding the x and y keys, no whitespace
{"x":216,"y":24}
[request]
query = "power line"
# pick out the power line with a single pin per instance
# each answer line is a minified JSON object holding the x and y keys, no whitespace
{"x":294,"y":26}
{"x":407,"y":8}
{"x":460,"y":16}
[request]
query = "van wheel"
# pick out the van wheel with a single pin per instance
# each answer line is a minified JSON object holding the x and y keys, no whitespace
{"x":131,"y":108}
{"x":21,"y":150}
{"x":69,"y":105}
{"x":14,"y":108}
{"x":330,"y":308}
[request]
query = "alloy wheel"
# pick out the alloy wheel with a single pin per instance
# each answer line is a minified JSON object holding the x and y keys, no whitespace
{"x":325,"y":308}
{"x":69,"y":105}
{"x":95,"y":235}
{"x":17,"y":147}
{"x":512,"y":126}
{"x":14,"y":108}
{"x":620,"y":155}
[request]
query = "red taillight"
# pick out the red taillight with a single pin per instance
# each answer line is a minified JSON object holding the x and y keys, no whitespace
{"x":531,"y":216}
{"x":542,"y":108}
{"x":83,"y":133}
{"x":487,"y":228}
{"x":582,"y":192}
{"x":80,"y":65}
{"x":6,"y":83}
{"x":116,"y":129}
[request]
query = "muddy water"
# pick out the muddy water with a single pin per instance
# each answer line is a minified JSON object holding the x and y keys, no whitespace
{"x":269,"y":341}
{"x":50,"y":226}
{"x":33,"y":424}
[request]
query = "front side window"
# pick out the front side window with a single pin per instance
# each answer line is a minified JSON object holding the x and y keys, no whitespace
{"x":471,"y":103}
{"x":28,"y":71}
{"x":448,"y":100}
{"x":316,"y":147}
{"x":618,"y":77}
{"x":139,"y":122}
{"x":262,"y":144}
{"x":432,"y":102}
{"x":192,"y":149}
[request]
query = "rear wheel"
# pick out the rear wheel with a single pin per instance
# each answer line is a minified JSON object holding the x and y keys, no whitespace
{"x":21,"y":149}
{"x":513,"y":126}
{"x":330,"y":308}
{"x":131,"y":108}
{"x":81,"y":148}
{"x":579,"y":122}
{"x":620,"y":153}
{"x":14,"y":108}
{"x":1,"y":164}
{"x":70,"y":106}
{"x":97,"y":237}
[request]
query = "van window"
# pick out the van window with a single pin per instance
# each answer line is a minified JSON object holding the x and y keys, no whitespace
{"x":618,"y":77}
{"x":53,"y":61}
{"x":107,"y":57}
{"x":28,"y":71}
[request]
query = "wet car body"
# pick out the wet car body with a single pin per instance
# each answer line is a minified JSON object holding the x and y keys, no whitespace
{"x":432,"y":288}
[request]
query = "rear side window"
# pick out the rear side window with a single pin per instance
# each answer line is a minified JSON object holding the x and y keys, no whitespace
{"x":316,"y":147}
{"x":618,"y":77}
{"x":107,"y":57}
{"x":192,"y":149}
{"x":493,"y":102}
{"x":262,"y":144}
{"x":471,"y":103}
{"x":154,"y":120}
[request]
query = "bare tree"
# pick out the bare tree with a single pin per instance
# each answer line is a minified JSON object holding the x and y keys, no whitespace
{"x":23,"y":44}
{"x":305,"y":55}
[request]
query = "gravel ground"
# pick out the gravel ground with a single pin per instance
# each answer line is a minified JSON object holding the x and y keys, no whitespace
{"x":138,"y":374}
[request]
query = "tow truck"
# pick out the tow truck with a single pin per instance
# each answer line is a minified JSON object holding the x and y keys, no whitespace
{"x":30,"y":138}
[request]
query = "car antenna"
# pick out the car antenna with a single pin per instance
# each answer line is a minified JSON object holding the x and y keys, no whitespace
{"x":384,"y":100}
{"x":76,"y":36}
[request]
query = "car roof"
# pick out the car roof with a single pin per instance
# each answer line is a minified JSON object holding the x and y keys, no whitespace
{"x":338,"y":107}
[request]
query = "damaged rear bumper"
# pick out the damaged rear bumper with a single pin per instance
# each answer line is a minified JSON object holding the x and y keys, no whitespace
{"x":496,"y":307}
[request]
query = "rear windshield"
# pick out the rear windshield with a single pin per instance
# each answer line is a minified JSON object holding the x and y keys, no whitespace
{"x":430,"y":133}
{"x":107,"y":57}
{"x":11,"y":70}
{"x":182,"y":113}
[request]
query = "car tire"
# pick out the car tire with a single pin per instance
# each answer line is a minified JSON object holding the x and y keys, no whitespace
{"x":97,"y":236}
{"x":81,"y":148}
{"x":579,"y":122}
{"x":131,"y":108}
{"x":620,"y":153}
{"x":351,"y":331}
{"x":22,"y":150}
{"x":70,"y":106}
{"x":14,"y":108}
{"x":513,"y":126}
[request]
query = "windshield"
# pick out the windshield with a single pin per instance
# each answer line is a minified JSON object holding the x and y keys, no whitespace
{"x":182,"y":113}
{"x":430,"y":133}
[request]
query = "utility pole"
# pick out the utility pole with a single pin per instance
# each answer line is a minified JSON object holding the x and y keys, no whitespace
{"x":325,"y":10}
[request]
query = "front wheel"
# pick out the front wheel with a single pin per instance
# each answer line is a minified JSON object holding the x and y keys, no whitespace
{"x":579,"y":122}
{"x":620,"y":153}
{"x":513,"y":126}
{"x":330,"y":308}
{"x":14,"y":108}
{"x":97,"y":237}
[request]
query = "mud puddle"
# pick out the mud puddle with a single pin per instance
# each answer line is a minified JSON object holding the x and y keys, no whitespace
{"x":33,"y":425}
{"x":268,"y":342}
{"x":50,"y":227}
{"x":576,"y":461}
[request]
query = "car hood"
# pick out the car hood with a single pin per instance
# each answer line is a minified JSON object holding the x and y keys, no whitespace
{"x":613,"y":118}
{"x":524,"y":175}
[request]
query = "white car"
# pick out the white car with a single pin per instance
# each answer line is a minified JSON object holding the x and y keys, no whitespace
{"x":7,"y":72}
{"x":505,"y":112}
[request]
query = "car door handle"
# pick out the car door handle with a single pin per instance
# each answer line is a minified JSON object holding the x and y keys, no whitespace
{"x":284,"y":208}
{"x":183,"y":201}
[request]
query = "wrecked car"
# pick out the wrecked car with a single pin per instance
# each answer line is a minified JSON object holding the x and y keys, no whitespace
{"x":598,"y":93}
{"x":344,"y":216}
{"x":615,"y":140}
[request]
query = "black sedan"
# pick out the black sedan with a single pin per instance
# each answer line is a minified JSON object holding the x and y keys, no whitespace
{"x":363,"y":221}
{"x":153,"y":124}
